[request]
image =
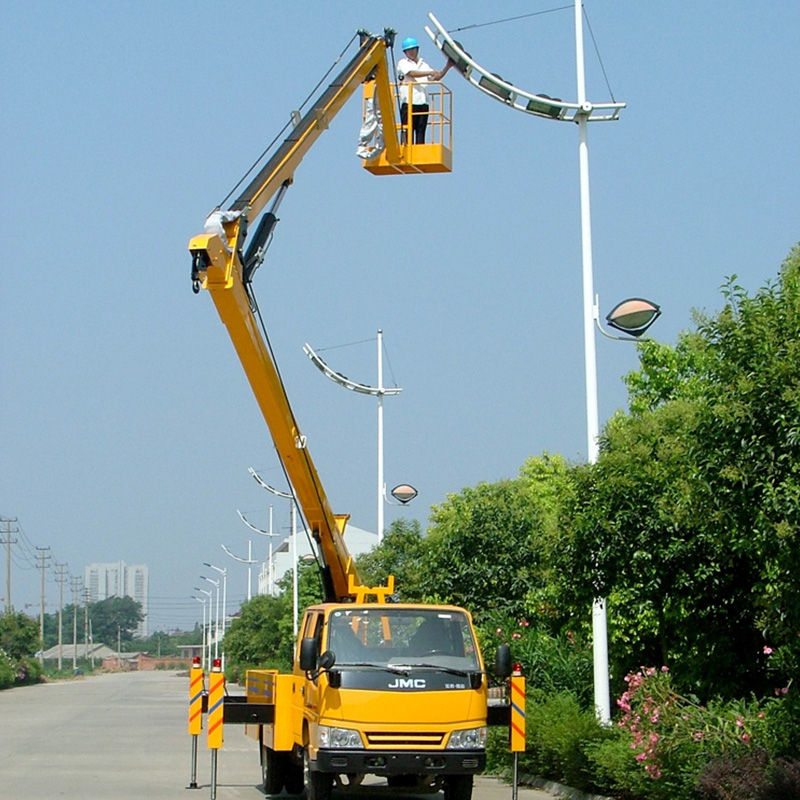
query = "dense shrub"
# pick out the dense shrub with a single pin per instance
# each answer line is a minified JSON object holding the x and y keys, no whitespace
{"x":667,"y":740}
{"x":750,"y":776}
{"x":6,"y":671}
{"x":550,"y":664}
{"x":558,"y":732}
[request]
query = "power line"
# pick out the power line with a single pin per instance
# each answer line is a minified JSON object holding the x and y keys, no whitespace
{"x":509,"y":19}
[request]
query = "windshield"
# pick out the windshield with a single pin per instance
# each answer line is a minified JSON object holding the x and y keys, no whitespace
{"x":392,"y":637}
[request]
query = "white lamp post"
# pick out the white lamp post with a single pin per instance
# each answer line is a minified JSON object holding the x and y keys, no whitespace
{"x":249,"y":561}
{"x":216,"y":616}
{"x":293,"y":510}
{"x":378,"y":391}
{"x":201,"y":600}
{"x":270,"y":533}
{"x":224,"y":572}
{"x":581,"y":112}
{"x":208,"y":634}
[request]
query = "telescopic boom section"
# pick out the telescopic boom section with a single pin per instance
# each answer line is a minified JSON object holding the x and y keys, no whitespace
{"x":217,"y":266}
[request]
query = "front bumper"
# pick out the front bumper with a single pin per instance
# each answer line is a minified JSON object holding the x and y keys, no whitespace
{"x":400,"y":762}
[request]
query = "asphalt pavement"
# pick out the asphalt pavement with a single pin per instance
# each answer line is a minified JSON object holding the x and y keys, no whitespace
{"x":124,"y":736}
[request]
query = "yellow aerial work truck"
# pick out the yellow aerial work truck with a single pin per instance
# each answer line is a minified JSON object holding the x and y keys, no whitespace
{"x":377,"y":688}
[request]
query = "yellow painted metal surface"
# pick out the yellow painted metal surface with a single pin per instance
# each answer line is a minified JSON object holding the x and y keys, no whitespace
{"x":435,"y":156}
{"x":196,"y":690}
{"x":268,"y":686}
{"x":216,"y":700}
{"x":517,"y":714}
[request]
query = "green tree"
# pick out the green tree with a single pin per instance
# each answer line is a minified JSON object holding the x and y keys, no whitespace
{"x":490,"y":547}
{"x":19,"y":635}
{"x":113,"y":618}
{"x":398,"y":554}
{"x":688,"y":522}
{"x":262,"y":634}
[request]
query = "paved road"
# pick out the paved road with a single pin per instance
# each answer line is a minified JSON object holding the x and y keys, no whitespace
{"x":124,"y":737}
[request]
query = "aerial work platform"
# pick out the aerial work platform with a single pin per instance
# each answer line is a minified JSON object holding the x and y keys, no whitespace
{"x":436,"y":155}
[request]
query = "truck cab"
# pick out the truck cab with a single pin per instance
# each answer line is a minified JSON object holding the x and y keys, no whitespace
{"x":397,"y":690}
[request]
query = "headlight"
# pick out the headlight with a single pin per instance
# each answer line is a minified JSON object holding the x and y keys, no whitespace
{"x":338,"y":737}
{"x":470,"y":739}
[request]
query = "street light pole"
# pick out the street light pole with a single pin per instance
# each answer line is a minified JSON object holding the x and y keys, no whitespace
{"x":207,"y":637}
{"x":293,"y":506}
{"x":270,"y":533}
{"x":216,"y":615}
{"x":381,"y":484}
{"x":249,"y":560}
{"x":224,"y":572}
{"x":602,"y":696}
{"x":201,"y":600}
{"x":378,"y":391}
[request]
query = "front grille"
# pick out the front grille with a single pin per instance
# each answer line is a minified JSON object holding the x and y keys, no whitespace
{"x":394,"y":739}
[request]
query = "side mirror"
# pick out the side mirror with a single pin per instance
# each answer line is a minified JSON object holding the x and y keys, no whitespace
{"x":309,"y":653}
{"x":502,"y":662}
{"x":327,"y":660}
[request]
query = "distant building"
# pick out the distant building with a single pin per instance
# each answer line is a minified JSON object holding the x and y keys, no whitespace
{"x":119,"y":579}
{"x":358,"y":541}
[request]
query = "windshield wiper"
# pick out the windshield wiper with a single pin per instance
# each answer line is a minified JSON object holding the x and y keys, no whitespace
{"x":386,"y":667}
{"x":449,"y":670}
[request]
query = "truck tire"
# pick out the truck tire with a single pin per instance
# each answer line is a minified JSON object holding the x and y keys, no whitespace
{"x":319,"y":785}
{"x":272,"y":770}
{"x":458,"y":787}
{"x":293,"y":776}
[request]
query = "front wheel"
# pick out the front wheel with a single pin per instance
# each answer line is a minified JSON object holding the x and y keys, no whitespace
{"x":458,"y":787}
{"x":319,"y":785}
{"x":294,"y":779}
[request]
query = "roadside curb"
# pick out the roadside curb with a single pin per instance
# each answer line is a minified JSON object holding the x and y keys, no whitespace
{"x":556,"y":789}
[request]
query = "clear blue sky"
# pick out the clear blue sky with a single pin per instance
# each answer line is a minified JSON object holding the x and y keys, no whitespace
{"x":127,"y":426}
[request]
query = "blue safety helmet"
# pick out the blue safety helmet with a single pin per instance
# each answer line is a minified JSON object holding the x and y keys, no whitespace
{"x":410,"y":43}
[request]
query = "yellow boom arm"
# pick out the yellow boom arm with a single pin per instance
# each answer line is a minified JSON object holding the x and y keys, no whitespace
{"x":217,"y":265}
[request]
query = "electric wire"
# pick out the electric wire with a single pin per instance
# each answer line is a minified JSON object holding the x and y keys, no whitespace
{"x":597,"y":52}
{"x":286,"y":126}
{"x":294,"y":421}
{"x":509,"y":19}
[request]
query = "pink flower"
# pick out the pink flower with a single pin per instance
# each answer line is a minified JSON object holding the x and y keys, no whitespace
{"x":665,"y":669}
{"x":499,"y":631}
{"x":767,"y":650}
{"x":641,"y":757}
{"x":746,"y":738}
{"x":698,"y":736}
{"x":739,"y":722}
{"x":516,"y":635}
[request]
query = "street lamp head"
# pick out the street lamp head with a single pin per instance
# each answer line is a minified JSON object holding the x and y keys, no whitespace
{"x":404,"y":493}
{"x":633,"y":316}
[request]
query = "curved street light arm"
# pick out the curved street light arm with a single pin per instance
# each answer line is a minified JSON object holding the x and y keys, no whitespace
{"x":253,"y":527}
{"x":259,"y":480}
{"x":236,"y":558}
{"x":539,"y":105}
{"x":342,"y":380}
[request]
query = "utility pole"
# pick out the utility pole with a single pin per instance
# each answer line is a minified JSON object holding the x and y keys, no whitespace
{"x":86,"y":595}
{"x":8,"y":541}
{"x":75,"y":585}
{"x":42,"y":557}
{"x":61,"y":579}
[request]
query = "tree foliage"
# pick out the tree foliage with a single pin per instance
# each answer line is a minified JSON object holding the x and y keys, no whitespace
{"x":489,"y":548}
{"x":19,"y":635}
{"x":262,"y":634}
{"x":399,"y":554}
{"x":688,"y":522}
{"x":114,"y":618}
